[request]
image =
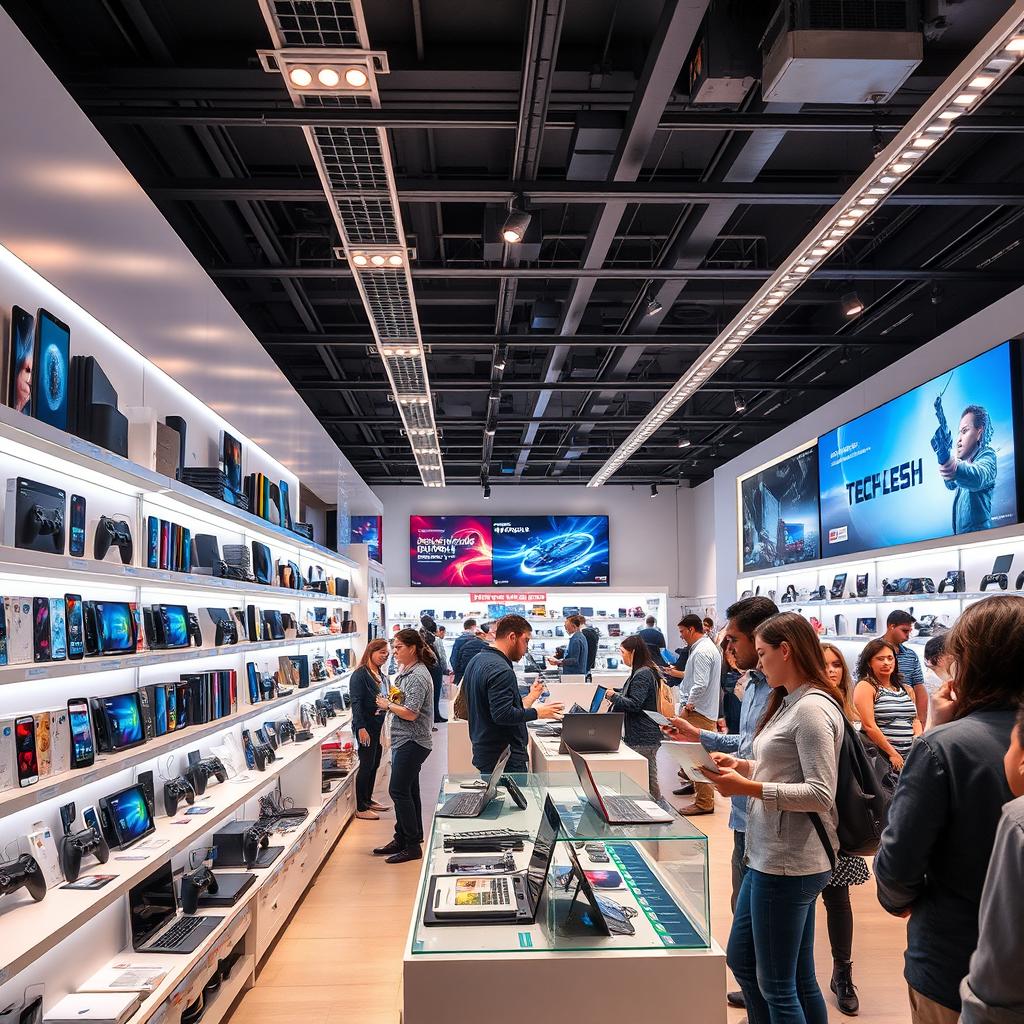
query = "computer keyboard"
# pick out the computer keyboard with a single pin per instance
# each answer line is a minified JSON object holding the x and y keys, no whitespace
{"x":486,"y":840}
{"x":177,"y":933}
{"x":466,"y":804}
{"x":623,"y":807}
{"x":498,"y":894}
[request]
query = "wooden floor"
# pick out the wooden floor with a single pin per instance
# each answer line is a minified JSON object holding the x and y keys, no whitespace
{"x":339,"y":960}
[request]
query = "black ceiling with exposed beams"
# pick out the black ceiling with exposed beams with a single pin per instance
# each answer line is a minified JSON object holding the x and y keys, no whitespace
{"x":714,"y":198}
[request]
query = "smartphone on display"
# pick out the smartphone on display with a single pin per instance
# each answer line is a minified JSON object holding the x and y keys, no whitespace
{"x":77,"y":549}
{"x":91,"y":819}
{"x":23,"y":327}
{"x":83,"y":751}
{"x":58,"y":630}
{"x":75,"y":626}
{"x":25,"y":748}
{"x":250,"y":756}
{"x":153,"y":542}
{"x":41,"y":628}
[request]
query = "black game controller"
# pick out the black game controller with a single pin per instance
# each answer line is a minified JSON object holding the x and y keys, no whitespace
{"x":72,"y":847}
{"x":1020,"y":580}
{"x":23,"y":873}
{"x":225,"y":632}
{"x":193,"y":885}
{"x":513,"y":791}
{"x":790,"y":594}
{"x":174,"y":790}
{"x":999,"y":578}
{"x":45,"y":522}
{"x":255,"y":838}
{"x":285,"y":730}
{"x":955,"y":581}
{"x":201,"y":772}
{"x":113,"y":533}
{"x":194,"y":632}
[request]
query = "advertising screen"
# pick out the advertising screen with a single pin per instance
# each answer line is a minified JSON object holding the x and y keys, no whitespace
{"x":935,"y":462}
{"x":554,"y":551}
{"x":368,"y":530}
{"x":450,"y":551}
{"x":779,"y":513}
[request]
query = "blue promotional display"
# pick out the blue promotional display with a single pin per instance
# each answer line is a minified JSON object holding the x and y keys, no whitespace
{"x":556,"y":551}
{"x":938,"y":461}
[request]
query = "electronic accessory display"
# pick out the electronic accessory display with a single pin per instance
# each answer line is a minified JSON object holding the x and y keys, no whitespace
{"x":129,"y":816}
{"x":231,"y":457}
{"x":76,"y":546}
{"x":51,"y":370}
{"x":118,"y":721}
{"x":19,"y":385}
{"x":115,"y":627}
{"x":58,"y":630}
{"x":174,"y":619}
{"x":41,"y":629}
{"x":25,"y":750}
{"x":75,"y":626}
{"x":152,"y":542}
{"x":114,"y":533}
{"x":38,"y":520}
{"x":954,"y":580}
{"x":153,"y":906}
{"x":862,"y":585}
{"x":998,"y":575}
{"x":23,"y":873}
{"x":838,"y":586}
{"x":83,"y":751}
{"x":160,"y":723}
{"x":867,"y":626}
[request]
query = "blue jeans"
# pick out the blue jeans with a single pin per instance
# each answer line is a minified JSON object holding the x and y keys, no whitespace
{"x":771,"y":948}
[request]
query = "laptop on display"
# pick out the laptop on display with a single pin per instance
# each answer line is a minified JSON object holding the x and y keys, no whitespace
{"x":156,"y":925}
{"x":472,"y":804}
{"x":616,"y":810}
{"x":592,"y":734}
{"x":577,"y":709}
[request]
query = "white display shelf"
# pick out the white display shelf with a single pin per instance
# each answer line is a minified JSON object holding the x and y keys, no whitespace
{"x":66,"y":453}
{"x":32,"y":929}
{"x":86,"y":666}
{"x":109,"y":764}
{"x":836,"y":602}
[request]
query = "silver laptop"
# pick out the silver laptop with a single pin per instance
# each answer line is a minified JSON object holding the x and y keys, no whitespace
{"x":472,"y":804}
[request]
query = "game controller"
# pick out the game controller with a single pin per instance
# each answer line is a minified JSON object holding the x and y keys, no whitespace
{"x":194,"y":632}
{"x":174,"y":790}
{"x":45,"y":522}
{"x":201,"y":772}
{"x":113,"y":533}
{"x":285,"y":730}
{"x":23,"y":873}
{"x":255,"y":838}
{"x":1020,"y":580}
{"x":955,"y":581}
{"x":790,"y":595}
{"x":999,"y":574}
{"x":72,"y":847}
{"x":193,"y":885}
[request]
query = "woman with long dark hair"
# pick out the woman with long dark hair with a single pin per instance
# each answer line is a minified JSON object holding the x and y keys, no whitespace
{"x":791,"y":776}
{"x":412,"y":708}
{"x":885,"y":704}
{"x":428,"y":630}
{"x":368,"y":682}
{"x":639,"y":693}
{"x":934,"y":853}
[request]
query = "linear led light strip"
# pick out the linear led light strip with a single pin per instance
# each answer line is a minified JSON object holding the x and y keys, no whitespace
{"x":996,"y":57}
{"x":322,"y":76}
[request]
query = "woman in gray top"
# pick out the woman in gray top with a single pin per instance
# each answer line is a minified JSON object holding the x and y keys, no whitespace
{"x":411,"y":704}
{"x":791,"y":776}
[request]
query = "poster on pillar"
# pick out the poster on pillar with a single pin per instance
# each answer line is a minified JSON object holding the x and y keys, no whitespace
{"x":938,"y":461}
{"x":450,"y":551}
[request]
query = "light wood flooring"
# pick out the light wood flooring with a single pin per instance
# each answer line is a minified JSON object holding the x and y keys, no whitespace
{"x":339,"y":959}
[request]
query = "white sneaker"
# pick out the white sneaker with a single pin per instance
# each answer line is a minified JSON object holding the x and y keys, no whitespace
{"x":368,"y":815}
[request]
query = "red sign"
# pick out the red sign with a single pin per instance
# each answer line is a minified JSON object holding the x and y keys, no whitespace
{"x":504,"y":596}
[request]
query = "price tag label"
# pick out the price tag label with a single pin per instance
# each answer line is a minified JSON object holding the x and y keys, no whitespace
{"x":130,"y":570}
{"x":35,"y":673}
{"x":78,"y":563}
{"x":114,"y":664}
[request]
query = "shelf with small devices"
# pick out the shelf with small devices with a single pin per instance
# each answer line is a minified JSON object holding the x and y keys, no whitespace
{"x":370,"y":614}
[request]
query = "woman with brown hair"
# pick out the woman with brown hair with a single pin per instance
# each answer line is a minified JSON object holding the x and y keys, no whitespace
{"x":368,"y":682}
{"x":791,"y":776}
{"x":411,"y":703}
{"x":934,"y":853}
{"x":888,"y":712}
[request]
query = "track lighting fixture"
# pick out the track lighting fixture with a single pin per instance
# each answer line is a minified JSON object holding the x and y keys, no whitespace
{"x":654,"y":490}
{"x":654,"y":307}
{"x":513,"y":231}
{"x":684,"y":442}
{"x":852,"y":304}
{"x":740,"y":402}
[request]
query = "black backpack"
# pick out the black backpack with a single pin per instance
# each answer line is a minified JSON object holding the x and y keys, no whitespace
{"x":862,"y":797}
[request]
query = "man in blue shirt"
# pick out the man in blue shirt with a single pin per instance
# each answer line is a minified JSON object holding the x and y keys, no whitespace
{"x":654,"y":638}
{"x":898,"y":627}
{"x":744,"y":618}
{"x":460,"y":659}
{"x":574,"y":662}
{"x":468,"y":632}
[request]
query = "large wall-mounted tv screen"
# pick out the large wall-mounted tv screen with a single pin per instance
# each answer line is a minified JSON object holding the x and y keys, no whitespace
{"x":936,"y":462}
{"x":450,"y":551}
{"x":779,"y":513}
{"x":550,"y":551}
{"x":368,"y":530}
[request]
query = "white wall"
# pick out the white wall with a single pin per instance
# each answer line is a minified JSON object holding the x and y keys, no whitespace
{"x":991,"y":326}
{"x":704,"y":540}
{"x":647,"y":551}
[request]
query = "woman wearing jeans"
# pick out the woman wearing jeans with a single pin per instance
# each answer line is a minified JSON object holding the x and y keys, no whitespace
{"x":639,"y":693}
{"x":413,"y":711}
{"x":365,"y":686}
{"x":792,"y":775}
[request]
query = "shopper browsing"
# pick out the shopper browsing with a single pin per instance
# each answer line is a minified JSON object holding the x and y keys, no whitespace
{"x":898,"y":627}
{"x":428,"y":630}
{"x":472,"y":644}
{"x":412,"y":718}
{"x":992,"y":992}
{"x":700,"y":694}
{"x":932,"y":861}
{"x":468,"y":633}
{"x":592,"y":638}
{"x":709,"y":626}
{"x":653,"y":637}
{"x":937,"y":669}
{"x":365,"y":686}
{"x":885,"y":704}
{"x":792,"y":775}
{"x":574,"y":661}
{"x":639,"y":693}
{"x":498,"y":713}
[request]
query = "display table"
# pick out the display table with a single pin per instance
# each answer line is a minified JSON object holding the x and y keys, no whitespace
{"x":460,"y":749}
{"x":667,"y":966}
{"x":545,"y":760}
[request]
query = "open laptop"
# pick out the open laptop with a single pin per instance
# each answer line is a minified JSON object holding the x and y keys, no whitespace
{"x":616,"y":810}
{"x":592,"y":734}
{"x":499,"y":899}
{"x":472,"y":804}
{"x":157,"y":927}
{"x":555,"y":729}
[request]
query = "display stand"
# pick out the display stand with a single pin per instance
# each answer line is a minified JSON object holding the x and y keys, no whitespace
{"x":545,"y":760}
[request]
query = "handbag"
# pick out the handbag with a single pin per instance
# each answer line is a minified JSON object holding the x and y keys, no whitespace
{"x":460,"y":707}
{"x":666,"y":705}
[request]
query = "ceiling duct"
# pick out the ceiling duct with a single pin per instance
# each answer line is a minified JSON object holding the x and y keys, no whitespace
{"x":592,"y":146}
{"x":546,"y":315}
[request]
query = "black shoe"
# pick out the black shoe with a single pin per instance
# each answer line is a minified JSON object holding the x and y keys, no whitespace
{"x":410,"y":853}
{"x":735,"y":999}
{"x":683,"y":790}
{"x":842,"y":985}
{"x":441,"y":720}
{"x":393,"y":847}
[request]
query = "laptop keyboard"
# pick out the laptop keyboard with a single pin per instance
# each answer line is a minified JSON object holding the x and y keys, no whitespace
{"x":177,"y":933}
{"x":623,"y":807}
{"x":468,"y":803}
{"x":497,"y":895}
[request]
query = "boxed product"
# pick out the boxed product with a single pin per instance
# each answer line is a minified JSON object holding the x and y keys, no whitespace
{"x":123,"y":976}
{"x":19,"y":629}
{"x":8,"y":775}
{"x":44,"y":743}
{"x":60,"y":741}
{"x":42,"y":845}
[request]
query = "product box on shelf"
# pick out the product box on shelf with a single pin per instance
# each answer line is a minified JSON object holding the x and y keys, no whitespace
{"x":60,"y":741}
{"x":41,"y":843}
{"x":8,"y":775}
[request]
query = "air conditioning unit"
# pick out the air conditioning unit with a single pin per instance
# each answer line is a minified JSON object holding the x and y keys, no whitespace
{"x":723,"y":62}
{"x":855,"y":51}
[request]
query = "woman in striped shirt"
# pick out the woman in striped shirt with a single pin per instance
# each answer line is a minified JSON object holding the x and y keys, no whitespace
{"x":885,"y":703}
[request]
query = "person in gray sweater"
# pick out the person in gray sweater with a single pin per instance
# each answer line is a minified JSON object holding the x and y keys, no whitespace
{"x":992,"y":992}
{"x":791,"y":776}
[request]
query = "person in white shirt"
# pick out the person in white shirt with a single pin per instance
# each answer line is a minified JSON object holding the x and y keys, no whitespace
{"x":700,"y":693}
{"x":937,"y":669}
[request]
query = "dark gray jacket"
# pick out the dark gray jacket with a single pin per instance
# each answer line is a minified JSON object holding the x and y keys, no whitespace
{"x":639,"y":692}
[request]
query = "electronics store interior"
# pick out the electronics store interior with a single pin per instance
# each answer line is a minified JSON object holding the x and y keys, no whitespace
{"x":510,"y":511}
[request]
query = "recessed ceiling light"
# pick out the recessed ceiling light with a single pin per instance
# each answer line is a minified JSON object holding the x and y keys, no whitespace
{"x":395,"y":259}
{"x":301,"y":77}
{"x":377,"y":260}
{"x":328,"y":77}
{"x":900,"y":168}
{"x":981,"y":82}
{"x":867,"y":201}
{"x":360,"y":260}
{"x":802,"y":270}
{"x":1016,"y":45}
{"x":923,"y":143}
{"x":356,"y":77}
{"x":965,"y":99}
{"x":819,"y":251}
{"x":846,"y":222}
{"x":877,"y":191}
{"x":857,"y":213}
{"x":950,"y":115}
{"x":829,"y":243}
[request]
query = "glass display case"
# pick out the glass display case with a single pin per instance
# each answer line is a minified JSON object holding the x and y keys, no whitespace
{"x":571,"y":882}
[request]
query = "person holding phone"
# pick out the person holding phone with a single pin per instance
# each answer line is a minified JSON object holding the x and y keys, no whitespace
{"x":368,"y":682}
{"x":791,"y":775}
{"x":639,"y":693}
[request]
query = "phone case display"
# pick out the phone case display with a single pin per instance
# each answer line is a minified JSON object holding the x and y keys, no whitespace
{"x":554,"y":877}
